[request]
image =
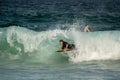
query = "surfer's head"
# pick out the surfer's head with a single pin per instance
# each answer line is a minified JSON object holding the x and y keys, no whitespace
{"x":61,"y":42}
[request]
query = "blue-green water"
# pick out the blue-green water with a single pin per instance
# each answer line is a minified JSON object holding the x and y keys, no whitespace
{"x":30,"y":31}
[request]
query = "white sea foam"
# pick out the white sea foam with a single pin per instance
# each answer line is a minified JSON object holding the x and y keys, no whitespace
{"x":96,"y":46}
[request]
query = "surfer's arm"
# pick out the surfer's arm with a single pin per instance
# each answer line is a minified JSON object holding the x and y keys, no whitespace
{"x":66,"y":48}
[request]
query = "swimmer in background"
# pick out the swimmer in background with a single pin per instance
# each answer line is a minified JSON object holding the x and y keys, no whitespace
{"x":86,"y":28}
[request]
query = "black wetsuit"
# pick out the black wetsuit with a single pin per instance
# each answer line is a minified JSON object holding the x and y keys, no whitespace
{"x":70,"y":46}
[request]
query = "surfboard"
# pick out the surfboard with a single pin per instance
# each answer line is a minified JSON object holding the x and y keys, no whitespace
{"x":62,"y":50}
{"x":63,"y":53}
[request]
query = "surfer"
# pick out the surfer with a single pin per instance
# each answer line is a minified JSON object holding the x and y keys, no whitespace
{"x":86,"y":28}
{"x":65,"y":46}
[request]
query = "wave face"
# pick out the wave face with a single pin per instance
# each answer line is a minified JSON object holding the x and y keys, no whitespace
{"x":26,"y":45}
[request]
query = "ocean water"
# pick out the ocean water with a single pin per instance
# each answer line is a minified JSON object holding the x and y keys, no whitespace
{"x":30,"y":31}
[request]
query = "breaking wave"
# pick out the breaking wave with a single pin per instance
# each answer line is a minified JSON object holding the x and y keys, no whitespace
{"x":19,"y":43}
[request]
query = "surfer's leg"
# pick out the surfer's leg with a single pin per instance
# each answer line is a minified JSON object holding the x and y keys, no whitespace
{"x":72,"y":46}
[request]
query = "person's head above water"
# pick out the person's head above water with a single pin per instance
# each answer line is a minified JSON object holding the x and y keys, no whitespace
{"x":86,"y":25}
{"x":61,"y":42}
